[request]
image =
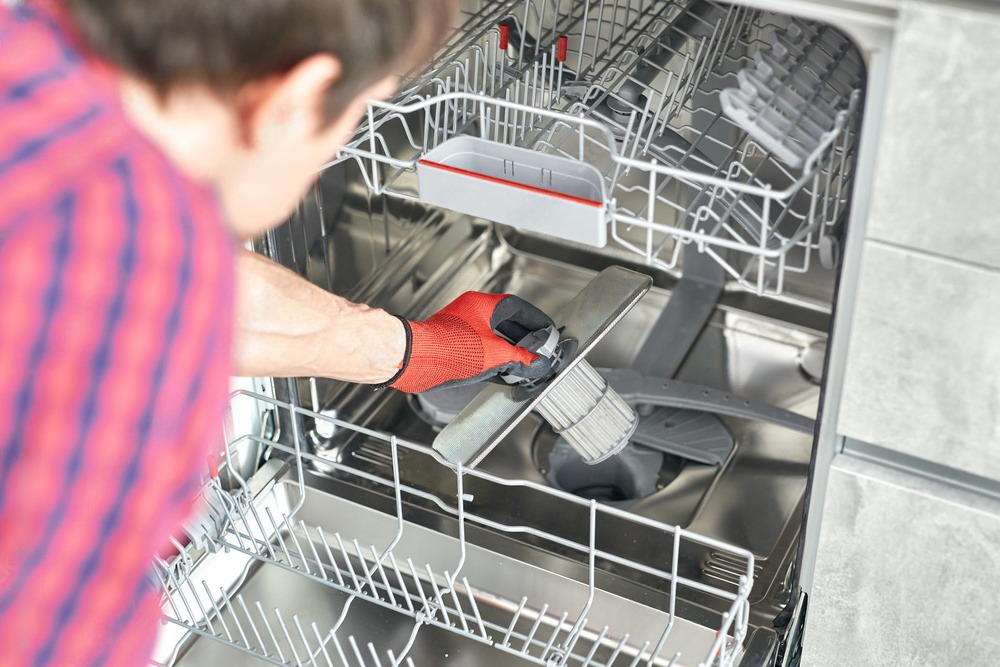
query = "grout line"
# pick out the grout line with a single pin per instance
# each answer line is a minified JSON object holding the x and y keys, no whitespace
{"x":953,"y":478}
{"x":955,"y":262}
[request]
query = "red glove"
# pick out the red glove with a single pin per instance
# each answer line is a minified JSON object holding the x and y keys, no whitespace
{"x":457,"y":345}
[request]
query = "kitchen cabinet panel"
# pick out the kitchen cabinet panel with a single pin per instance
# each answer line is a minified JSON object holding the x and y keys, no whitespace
{"x":921,"y":369}
{"x":906,"y":573}
{"x":936,"y":188}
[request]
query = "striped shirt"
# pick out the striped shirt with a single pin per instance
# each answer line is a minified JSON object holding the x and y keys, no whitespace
{"x":116,"y":298}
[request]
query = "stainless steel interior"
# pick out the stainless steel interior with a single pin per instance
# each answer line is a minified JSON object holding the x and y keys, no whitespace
{"x":413,"y":261}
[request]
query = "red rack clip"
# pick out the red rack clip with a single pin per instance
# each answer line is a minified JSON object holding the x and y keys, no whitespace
{"x":504,"y":36}
{"x":562,"y":48}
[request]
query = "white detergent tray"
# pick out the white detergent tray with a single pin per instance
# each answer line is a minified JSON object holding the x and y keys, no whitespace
{"x":518,"y":187}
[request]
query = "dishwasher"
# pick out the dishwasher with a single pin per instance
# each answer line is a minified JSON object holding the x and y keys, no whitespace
{"x":680,"y":172}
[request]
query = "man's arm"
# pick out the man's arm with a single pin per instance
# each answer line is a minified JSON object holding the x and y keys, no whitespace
{"x":288,"y":327}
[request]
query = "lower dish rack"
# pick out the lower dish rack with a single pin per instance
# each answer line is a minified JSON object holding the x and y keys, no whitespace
{"x":601,"y":123}
{"x":282,"y":570}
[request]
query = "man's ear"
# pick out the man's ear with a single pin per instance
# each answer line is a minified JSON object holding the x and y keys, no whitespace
{"x":281,"y":106}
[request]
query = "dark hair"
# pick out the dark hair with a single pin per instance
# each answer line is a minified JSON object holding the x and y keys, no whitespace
{"x":228,"y":43}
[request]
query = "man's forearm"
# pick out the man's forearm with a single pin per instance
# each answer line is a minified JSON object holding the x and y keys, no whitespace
{"x":288,"y":327}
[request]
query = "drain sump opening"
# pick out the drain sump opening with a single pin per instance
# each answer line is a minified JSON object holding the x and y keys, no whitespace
{"x":634,"y":473}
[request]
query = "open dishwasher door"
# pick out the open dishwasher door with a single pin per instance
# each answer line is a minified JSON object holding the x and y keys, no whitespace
{"x":712,"y":147}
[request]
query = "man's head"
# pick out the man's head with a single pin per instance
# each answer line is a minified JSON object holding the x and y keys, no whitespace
{"x":254,"y":95}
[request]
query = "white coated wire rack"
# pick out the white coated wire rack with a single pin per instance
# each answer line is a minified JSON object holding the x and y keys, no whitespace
{"x":799,"y":89}
{"x":263,"y":527}
{"x":599,"y":122}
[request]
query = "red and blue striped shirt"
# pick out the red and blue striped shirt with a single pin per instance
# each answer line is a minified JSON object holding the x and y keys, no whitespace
{"x":116,"y":296}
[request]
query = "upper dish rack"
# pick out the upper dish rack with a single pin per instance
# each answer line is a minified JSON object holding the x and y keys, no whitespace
{"x":600,"y":123}
{"x":275,"y":524}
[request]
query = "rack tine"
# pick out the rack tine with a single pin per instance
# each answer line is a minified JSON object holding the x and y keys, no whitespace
{"x":506,"y":117}
{"x":178,"y":590}
{"x":475,"y":608}
{"x":237,"y":514}
{"x":322,"y":644}
{"x":288,"y":637}
{"x":638,"y":656}
{"x":513,"y":621}
{"x":475,"y":72}
{"x":534,"y":88}
{"x":263,"y":533}
{"x":170,"y":597}
{"x":437,"y":595}
{"x":420,"y":588}
{"x":581,"y":620}
{"x":329,"y":554}
{"x":201,"y":607}
{"x":674,"y":564}
{"x":385,"y":580}
{"x":454,"y":598}
{"x":357,"y":652}
{"x":350,"y":565}
{"x":643,"y":117}
{"x":226,"y":601}
{"x":298,"y":546}
{"x":270,"y":632}
{"x":618,"y":649}
{"x":555,"y":634}
{"x":534,"y":628}
{"x":524,"y":29}
{"x":461,"y":498}
{"x":371,"y":649}
{"x":400,"y":580}
{"x":340,"y":648}
{"x":277,"y":533}
{"x":397,"y":488}
{"x":516,"y":126}
{"x":570,"y":645}
{"x":583,"y":39}
{"x":364,"y":568}
{"x":659,"y":644}
{"x":253,"y":626}
{"x":664,"y":119}
{"x":305,"y":642}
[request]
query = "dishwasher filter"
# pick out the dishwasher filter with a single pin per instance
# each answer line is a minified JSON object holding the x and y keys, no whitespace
{"x":577,"y":402}
{"x":580,"y":406}
{"x":587,"y":412}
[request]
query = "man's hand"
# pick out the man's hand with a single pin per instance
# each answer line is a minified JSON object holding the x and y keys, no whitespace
{"x":457,"y":345}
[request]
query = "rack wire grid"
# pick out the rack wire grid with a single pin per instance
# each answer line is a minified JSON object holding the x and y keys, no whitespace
{"x":631,"y":88}
{"x":256,"y":529}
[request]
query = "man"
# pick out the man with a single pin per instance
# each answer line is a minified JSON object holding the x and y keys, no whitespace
{"x":140,"y":142}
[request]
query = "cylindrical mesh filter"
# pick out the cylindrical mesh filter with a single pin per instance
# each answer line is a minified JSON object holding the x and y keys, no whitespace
{"x":589,"y":414}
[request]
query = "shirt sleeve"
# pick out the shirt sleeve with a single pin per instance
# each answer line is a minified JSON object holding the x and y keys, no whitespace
{"x":112,"y":372}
